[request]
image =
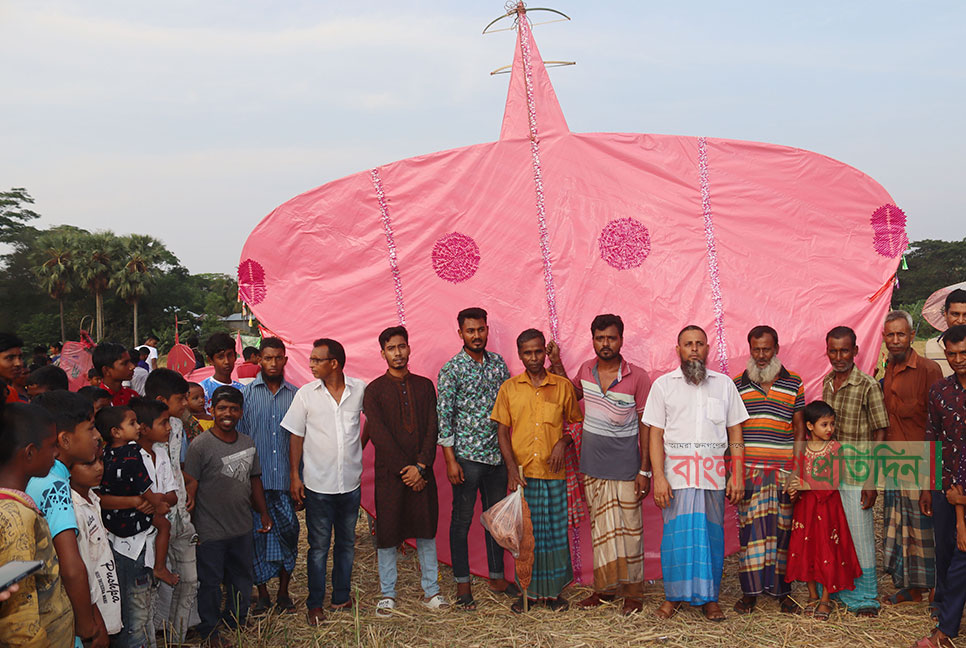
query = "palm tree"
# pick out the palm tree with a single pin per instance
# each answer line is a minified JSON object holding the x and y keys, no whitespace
{"x":141,"y":261}
{"x":96,"y":264}
{"x":56,"y":271}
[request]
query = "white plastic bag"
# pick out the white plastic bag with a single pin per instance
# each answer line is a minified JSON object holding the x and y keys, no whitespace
{"x":504,"y":521}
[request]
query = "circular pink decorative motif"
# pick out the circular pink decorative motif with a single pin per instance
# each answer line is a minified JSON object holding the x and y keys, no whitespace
{"x":889,"y":231}
{"x":456,"y":257}
{"x":251,"y":282}
{"x":624,"y":243}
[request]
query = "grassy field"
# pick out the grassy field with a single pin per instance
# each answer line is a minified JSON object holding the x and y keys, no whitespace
{"x":493,"y":624}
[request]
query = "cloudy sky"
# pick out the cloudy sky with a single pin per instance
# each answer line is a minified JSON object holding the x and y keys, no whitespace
{"x":192,"y":120}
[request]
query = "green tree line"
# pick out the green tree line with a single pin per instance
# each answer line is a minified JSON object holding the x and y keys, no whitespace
{"x":932,"y":265}
{"x":55,"y":281}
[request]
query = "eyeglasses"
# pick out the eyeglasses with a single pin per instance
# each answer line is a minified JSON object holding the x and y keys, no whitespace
{"x":318,"y":360}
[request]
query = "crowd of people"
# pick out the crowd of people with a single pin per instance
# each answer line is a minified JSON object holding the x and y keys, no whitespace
{"x":154,"y":503}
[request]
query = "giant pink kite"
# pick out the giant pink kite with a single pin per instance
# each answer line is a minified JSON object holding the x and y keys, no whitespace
{"x":547,"y":228}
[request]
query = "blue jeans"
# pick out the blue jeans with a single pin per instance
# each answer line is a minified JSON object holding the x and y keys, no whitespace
{"x":227,"y":561}
{"x":426,"y":549}
{"x":325,"y":513}
{"x":137,"y":590}
{"x":490,"y":481}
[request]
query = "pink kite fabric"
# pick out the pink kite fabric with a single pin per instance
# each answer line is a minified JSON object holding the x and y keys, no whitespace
{"x":547,"y":228}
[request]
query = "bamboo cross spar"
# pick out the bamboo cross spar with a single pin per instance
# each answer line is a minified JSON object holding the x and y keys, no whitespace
{"x":524,"y":562}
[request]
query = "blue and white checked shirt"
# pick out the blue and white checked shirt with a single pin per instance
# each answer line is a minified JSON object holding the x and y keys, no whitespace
{"x":261,"y":419}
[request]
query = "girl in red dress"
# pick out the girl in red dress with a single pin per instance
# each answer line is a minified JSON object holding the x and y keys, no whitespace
{"x":820,"y":551}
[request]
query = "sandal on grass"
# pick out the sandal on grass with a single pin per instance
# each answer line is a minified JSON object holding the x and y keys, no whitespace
{"x":262,"y":606}
{"x":821,"y":615}
{"x":900,"y":597}
{"x":744,"y":606}
{"x":790,"y":606}
{"x":385,"y":607}
{"x":668,"y":609}
{"x":867,"y":612}
{"x":712,"y":611}
{"x":558,"y":604}
{"x":436,"y":602}
{"x":466,"y":602}
{"x":517,"y":606}
{"x":285,"y":605}
{"x":809,"y":608}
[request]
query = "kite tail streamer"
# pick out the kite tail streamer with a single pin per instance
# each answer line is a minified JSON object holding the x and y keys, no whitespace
{"x":712,"y":256}
{"x":390,"y":245}
{"x":524,"y":27}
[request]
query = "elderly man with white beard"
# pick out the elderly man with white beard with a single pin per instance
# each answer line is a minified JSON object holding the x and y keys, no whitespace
{"x":695,"y":415}
{"x":774,"y":398}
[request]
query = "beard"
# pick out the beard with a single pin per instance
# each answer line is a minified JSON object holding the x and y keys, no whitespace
{"x":765,"y":374}
{"x":695,"y":371}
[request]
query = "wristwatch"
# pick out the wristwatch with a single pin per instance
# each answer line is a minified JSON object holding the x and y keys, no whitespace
{"x":422,"y":470}
{"x":645,"y":473}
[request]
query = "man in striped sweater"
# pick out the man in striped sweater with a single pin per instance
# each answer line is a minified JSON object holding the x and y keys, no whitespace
{"x":774,"y":398}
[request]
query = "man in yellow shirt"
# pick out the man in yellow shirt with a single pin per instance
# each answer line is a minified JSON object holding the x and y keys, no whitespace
{"x":531,"y":410}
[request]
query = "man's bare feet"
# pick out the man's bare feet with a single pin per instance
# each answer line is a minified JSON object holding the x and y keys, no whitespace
{"x":502,"y":586}
{"x":165,"y":575}
{"x":905,"y":595}
{"x":936,"y":640}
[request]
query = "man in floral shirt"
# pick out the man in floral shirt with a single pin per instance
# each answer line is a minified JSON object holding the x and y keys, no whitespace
{"x":468,"y":385}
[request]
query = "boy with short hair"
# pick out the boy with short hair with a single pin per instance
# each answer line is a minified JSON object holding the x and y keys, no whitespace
{"x":39,"y":613}
{"x":99,"y":398}
{"x":112,"y":362}
{"x":226,"y":485}
{"x":175,"y":606}
{"x":95,"y":549}
{"x":76,"y":442}
{"x":220,"y":349}
{"x":46,"y":378}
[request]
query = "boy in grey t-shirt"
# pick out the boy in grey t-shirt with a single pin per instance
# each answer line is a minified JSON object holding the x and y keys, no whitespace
{"x":225,"y":485}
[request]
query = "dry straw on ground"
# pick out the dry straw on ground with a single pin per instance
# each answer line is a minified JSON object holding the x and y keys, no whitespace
{"x":492,"y":624}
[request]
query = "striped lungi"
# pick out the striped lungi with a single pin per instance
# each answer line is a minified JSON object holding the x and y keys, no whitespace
{"x":552,"y":570}
{"x":616,"y":530}
{"x":277,"y":549}
{"x":909,"y":548}
{"x":765,"y":527}
{"x":692,"y":546}
{"x":862,"y":527}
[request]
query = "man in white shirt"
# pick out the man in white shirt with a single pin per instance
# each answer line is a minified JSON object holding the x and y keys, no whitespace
{"x":324,"y":424}
{"x":151,"y":342}
{"x":695,"y":414}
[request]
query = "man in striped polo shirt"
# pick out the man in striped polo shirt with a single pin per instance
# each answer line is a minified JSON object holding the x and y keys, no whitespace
{"x":774,"y":398}
{"x":615,"y":461}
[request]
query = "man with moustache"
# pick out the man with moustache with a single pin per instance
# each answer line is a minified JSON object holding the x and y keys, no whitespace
{"x":324,"y":421}
{"x":954,"y":311}
{"x":695,"y":414}
{"x":531,"y":411}
{"x":400,"y":410}
{"x":468,"y":385}
{"x":908,"y":546}
{"x":860,"y":418}
{"x":267,"y":399}
{"x":615,"y":462}
{"x":774,"y":398}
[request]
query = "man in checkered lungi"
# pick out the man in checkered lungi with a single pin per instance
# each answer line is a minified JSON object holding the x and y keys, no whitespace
{"x":910,"y":555}
{"x":267,"y":399}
